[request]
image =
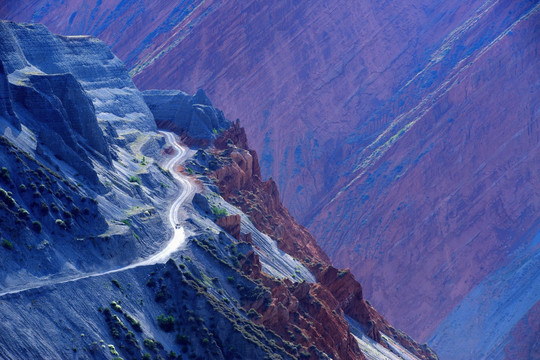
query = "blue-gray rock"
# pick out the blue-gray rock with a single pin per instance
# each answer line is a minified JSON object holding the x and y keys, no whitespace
{"x":191,"y":114}
{"x":201,"y":203}
{"x":102,"y":75}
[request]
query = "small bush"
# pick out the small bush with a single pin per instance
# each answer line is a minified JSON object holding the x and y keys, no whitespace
{"x":7,"y":244}
{"x":61,"y":224}
{"x":181,"y":339}
{"x":23,"y":214}
{"x":230,"y":279}
{"x":116,"y":283}
{"x":136,"y":325}
{"x":166,"y":323}
{"x":116,"y":307}
{"x":162,"y":295}
{"x":76,"y":211}
{"x":151,"y":283}
{"x":36,"y":226}
{"x":44,"y":208}
{"x":22,"y":188}
{"x":4,"y":175}
{"x":219,"y":212}
{"x":6,"y":197}
{"x":135,"y":179}
{"x":253,"y":314}
{"x":149,"y":344}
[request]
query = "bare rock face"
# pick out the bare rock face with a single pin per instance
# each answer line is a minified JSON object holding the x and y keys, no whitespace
{"x":101,"y":75}
{"x":6,"y":108}
{"x":296,"y":311}
{"x":193,"y":116}
{"x":231,"y":224}
{"x":240,"y":183}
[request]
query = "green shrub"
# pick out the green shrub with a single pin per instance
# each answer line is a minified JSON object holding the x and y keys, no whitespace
{"x":162,"y":295}
{"x":54,"y":208}
{"x":149,"y":344}
{"x":253,"y":314}
{"x":134,"y":323}
{"x":75,"y":211}
{"x":4,"y":175}
{"x":61,"y":224}
{"x":135,"y":179}
{"x":151,"y":283}
{"x":22,"y":188}
{"x":147,"y":356}
{"x":230,"y":279}
{"x":6,"y":197}
{"x":7,"y":244}
{"x":181,"y":339}
{"x":44,"y":208}
{"x":116,"y":283}
{"x":23,"y":214}
{"x":219,"y":212}
{"x":166,"y":323}
{"x":116,"y":307}
{"x":36,"y":226}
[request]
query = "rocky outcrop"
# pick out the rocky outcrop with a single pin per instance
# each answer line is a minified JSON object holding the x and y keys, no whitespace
{"x":241,"y":185}
{"x":317,"y":310}
{"x":230,"y":224}
{"x":102,"y":76}
{"x":6,"y":108}
{"x":193,"y":115}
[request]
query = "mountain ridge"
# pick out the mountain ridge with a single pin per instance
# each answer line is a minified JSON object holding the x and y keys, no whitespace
{"x":91,"y":266}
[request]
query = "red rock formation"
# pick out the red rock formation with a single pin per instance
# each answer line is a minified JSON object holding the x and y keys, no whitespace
{"x":317,"y":310}
{"x":230,"y":224}
{"x":241,"y":185}
{"x":302,"y":313}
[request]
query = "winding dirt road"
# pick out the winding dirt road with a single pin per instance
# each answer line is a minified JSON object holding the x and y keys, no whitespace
{"x":173,"y":245}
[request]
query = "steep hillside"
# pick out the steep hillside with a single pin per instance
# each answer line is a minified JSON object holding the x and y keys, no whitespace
{"x":71,"y":134}
{"x":403,"y":135}
{"x":113,"y":249}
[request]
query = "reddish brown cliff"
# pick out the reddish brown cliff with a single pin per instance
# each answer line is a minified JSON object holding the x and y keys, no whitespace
{"x":314,"y":311}
{"x":241,"y":185}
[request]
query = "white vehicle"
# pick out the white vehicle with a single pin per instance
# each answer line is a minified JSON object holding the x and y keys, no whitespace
{"x":177,"y":226}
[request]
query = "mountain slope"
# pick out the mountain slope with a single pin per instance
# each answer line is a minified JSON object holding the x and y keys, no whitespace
{"x":404,"y":135}
{"x":157,"y":264}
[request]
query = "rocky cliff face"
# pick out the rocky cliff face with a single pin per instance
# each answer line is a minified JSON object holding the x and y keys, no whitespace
{"x":310,"y":314}
{"x":381,"y":123}
{"x":65,"y":187}
{"x":83,"y":210}
{"x":193,"y":117}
